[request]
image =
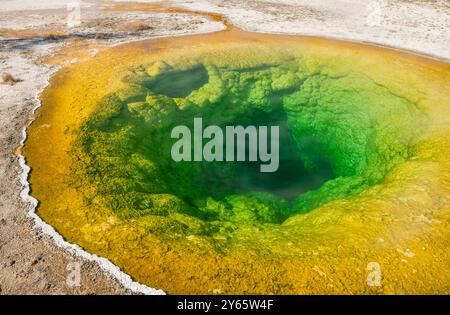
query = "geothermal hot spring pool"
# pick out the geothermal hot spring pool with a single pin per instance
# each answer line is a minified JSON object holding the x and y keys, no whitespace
{"x":363,"y":174}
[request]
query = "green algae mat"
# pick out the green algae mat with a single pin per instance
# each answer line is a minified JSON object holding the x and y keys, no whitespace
{"x":363,"y":177}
